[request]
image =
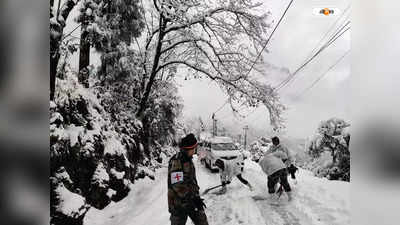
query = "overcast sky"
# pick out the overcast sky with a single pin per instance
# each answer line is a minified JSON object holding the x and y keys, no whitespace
{"x":298,"y":34}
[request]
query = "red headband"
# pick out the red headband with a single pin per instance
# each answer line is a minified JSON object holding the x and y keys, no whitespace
{"x":190,"y":147}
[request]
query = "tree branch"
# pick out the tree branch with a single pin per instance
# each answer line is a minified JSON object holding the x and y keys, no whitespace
{"x":66,"y":9}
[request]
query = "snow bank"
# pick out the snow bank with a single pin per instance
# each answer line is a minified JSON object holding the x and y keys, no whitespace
{"x":71,"y":204}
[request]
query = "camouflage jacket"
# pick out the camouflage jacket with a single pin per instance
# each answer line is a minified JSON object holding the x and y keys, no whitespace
{"x":182,"y":183}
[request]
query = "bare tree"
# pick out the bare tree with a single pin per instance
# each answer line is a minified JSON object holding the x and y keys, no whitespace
{"x":214,"y":39}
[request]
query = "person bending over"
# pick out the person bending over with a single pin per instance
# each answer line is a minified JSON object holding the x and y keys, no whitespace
{"x":229,"y":169}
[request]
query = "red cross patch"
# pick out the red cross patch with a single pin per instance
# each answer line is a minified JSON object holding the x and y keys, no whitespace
{"x":176,"y":177}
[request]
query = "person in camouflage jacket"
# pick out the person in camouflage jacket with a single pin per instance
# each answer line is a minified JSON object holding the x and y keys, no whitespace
{"x":183,"y":190}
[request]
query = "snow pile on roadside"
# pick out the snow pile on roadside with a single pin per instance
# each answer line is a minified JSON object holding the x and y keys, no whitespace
{"x":71,"y":204}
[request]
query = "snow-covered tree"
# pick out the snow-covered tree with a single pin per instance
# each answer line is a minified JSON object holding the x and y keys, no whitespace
{"x":259,"y":147}
{"x":161,"y":120}
{"x":85,"y":19}
{"x":58,"y":17}
{"x":218,"y":40}
{"x":107,"y":24}
{"x":331,"y":138}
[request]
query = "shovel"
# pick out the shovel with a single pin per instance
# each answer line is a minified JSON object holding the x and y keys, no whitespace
{"x":211,"y":188}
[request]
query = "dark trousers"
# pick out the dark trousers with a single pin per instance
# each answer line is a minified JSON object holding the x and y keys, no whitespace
{"x":281,"y":177}
{"x":198,"y":218}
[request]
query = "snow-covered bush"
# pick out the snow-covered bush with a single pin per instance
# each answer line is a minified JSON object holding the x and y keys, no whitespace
{"x":258,"y":148}
{"x":329,"y":150}
{"x":93,"y":159}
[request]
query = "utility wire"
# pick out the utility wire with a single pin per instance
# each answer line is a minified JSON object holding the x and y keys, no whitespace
{"x":327,"y":33}
{"x":265,"y":45}
{"x":226,"y":114}
{"x":322,"y":75}
{"x":333,"y":38}
{"x":71,"y":32}
{"x":329,"y":30}
{"x":222,"y":106}
{"x":269,"y":38}
{"x":348,"y":28}
{"x":331,"y":41}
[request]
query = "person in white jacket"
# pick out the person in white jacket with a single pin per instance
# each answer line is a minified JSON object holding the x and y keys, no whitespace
{"x":229,"y":169}
{"x":276,"y":171}
{"x":285,"y":155}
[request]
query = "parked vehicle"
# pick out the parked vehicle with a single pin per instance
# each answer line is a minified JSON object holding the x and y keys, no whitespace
{"x":219,"y":148}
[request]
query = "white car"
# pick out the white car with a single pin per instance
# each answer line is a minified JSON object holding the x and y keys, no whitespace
{"x":219,"y":148}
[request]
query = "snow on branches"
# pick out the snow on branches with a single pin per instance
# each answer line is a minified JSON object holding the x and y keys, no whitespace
{"x":331,"y":138}
{"x":218,"y":40}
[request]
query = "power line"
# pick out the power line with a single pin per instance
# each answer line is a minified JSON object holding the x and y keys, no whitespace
{"x":329,"y":30}
{"x":269,"y":38}
{"x":265,"y":45}
{"x":322,"y":75}
{"x":227,"y":114}
{"x":222,"y":106}
{"x":340,"y":34}
{"x":331,"y":41}
{"x":71,"y":32}
{"x":327,"y":44}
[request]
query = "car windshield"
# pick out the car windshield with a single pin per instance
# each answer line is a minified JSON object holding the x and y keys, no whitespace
{"x":223,"y":146}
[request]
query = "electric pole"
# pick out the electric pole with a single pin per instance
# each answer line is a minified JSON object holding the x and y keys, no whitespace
{"x":214,"y":133}
{"x":245,"y":128}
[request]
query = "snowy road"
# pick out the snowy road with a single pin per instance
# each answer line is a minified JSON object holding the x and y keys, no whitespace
{"x":316,"y":202}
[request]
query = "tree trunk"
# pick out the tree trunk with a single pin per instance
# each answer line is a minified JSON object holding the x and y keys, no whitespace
{"x":54,"y":57}
{"x":84,"y":57}
{"x":157,"y":55}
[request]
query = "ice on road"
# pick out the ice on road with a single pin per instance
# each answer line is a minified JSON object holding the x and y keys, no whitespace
{"x":316,"y":202}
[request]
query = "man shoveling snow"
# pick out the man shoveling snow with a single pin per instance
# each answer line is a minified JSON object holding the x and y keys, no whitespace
{"x":285,"y":155}
{"x":229,"y":169}
{"x":276,"y":171}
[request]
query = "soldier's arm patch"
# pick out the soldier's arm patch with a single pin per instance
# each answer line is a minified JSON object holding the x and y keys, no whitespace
{"x":176,"y":177}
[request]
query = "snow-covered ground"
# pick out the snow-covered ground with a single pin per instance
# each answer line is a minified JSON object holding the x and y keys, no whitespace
{"x":316,"y":202}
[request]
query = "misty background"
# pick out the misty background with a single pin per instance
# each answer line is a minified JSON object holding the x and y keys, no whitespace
{"x":298,"y":34}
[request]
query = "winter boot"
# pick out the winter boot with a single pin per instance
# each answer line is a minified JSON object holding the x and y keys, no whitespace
{"x":290,"y":196}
